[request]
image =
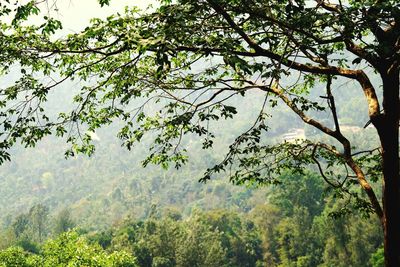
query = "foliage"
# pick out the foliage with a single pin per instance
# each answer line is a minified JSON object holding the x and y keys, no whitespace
{"x":377,"y":259}
{"x":69,"y":249}
{"x":16,"y":256}
{"x":201,"y":240}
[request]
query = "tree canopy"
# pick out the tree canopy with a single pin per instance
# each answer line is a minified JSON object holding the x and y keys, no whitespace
{"x":173,"y":72}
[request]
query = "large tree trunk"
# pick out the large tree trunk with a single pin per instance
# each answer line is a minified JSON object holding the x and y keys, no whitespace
{"x":388,"y":131}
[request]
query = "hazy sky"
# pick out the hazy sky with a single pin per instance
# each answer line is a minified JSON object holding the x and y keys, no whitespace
{"x":75,"y":14}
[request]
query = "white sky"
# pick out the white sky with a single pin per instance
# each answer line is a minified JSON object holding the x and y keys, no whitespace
{"x":75,"y":14}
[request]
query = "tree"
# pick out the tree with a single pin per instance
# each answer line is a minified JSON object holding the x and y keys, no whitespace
{"x":31,"y":228}
{"x":38,"y":215}
{"x":20,"y":224}
{"x":190,"y":58}
{"x":63,"y":222}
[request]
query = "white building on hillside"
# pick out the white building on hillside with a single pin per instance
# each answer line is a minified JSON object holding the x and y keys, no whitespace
{"x":293,"y":135}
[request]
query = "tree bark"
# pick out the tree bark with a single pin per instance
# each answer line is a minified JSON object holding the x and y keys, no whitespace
{"x":388,"y":130}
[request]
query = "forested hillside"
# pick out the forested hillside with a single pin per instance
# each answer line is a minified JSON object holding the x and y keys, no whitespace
{"x":166,"y":217}
{"x":297,"y":225}
{"x":114,"y":181}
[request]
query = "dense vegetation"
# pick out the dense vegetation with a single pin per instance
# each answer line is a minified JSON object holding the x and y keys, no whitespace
{"x":297,"y":226}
